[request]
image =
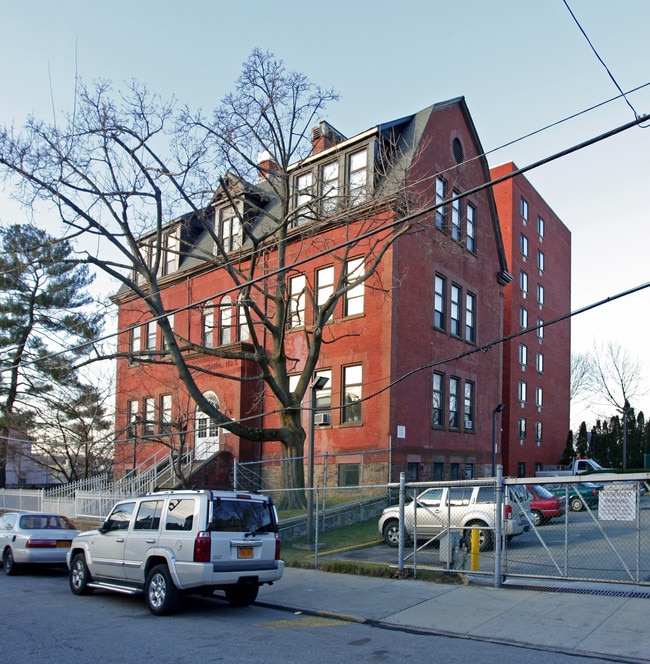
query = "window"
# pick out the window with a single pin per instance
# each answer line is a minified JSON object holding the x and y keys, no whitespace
{"x":523,"y":355}
{"x":521,"y":428}
{"x":352,"y":383}
{"x":540,"y":293}
{"x":148,"y":415}
{"x":230,"y":230}
{"x":539,"y":362}
{"x":538,"y":432}
{"x":135,"y":340}
{"x":470,"y":237}
{"x":540,"y":328}
{"x":148,"y":516}
{"x":454,"y":384}
{"x":521,"y":469}
{"x":358,"y":177}
{"x":523,"y":281}
{"x":180,"y":514}
{"x":455,"y":217}
{"x":166,"y":413}
{"x":438,"y":469}
{"x":540,"y":260}
{"x":170,"y":322}
{"x":120,"y":517}
{"x":454,"y":310}
{"x":523,"y":318}
{"x":470,"y":315}
{"x":208,"y":326}
{"x":540,"y":227}
{"x":523,"y":208}
{"x":353,"y":299}
{"x":523,"y":245}
{"x":225,"y":321}
{"x":441,"y":210}
{"x":170,"y":262}
{"x":330,"y":187}
{"x":297,"y":299}
{"x":304,"y":197}
{"x":454,"y":471}
{"x":412,"y":471}
{"x":521,"y":391}
{"x":324,"y":285}
{"x":438,"y":400}
{"x":539,"y":397}
{"x":439,"y":302}
{"x":132,"y":418}
{"x":151,"y":335}
{"x":324,"y":396}
{"x":348,"y":474}
{"x":468,"y":407}
{"x":244,"y":332}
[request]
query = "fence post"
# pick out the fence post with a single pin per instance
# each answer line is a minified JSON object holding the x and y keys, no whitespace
{"x":235,"y":473}
{"x":400,"y":549}
{"x":498,"y":530}
{"x":316,"y":530}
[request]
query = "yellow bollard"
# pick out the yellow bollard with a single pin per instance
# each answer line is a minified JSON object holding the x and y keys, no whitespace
{"x":475,"y":557}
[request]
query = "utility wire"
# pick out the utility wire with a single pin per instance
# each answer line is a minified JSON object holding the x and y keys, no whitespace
{"x":363,"y":236}
{"x":602,"y":62}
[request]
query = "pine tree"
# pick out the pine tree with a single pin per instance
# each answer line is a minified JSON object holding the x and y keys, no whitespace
{"x":45,"y":321}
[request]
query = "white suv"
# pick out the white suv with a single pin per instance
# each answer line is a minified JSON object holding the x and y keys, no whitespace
{"x":463,"y":508}
{"x":167,"y":542}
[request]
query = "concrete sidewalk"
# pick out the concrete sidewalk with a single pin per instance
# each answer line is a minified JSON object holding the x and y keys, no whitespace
{"x":574,"y":618}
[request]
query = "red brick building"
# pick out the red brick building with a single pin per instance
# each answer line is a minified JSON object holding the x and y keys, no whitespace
{"x":536,"y":364}
{"x":413,"y":377}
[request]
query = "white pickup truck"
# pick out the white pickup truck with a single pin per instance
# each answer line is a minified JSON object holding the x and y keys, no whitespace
{"x":578,"y":467}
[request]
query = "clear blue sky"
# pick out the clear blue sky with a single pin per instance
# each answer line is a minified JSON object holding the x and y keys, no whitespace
{"x":521,"y":65}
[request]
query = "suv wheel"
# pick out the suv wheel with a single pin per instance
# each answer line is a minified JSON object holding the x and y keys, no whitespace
{"x":9,"y":567}
{"x":79,"y":576}
{"x":242,"y":594}
{"x":160,"y":592}
{"x":390,"y":531}
{"x":484,"y":536}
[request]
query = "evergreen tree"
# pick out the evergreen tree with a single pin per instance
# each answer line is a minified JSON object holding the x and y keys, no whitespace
{"x":582,"y":443}
{"x":45,"y":321}
{"x":569,"y":451}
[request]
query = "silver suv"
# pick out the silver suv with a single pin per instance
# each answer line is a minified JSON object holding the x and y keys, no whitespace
{"x":464,"y":508}
{"x":165,"y":543}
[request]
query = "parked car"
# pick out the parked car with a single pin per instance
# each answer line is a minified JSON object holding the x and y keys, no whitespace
{"x":544,"y":505}
{"x":464,"y":508}
{"x":581,"y":494}
{"x":166,"y":543}
{"x":34,"y":538}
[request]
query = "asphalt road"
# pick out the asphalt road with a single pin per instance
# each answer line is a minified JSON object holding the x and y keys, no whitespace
{"x":43,"y":622}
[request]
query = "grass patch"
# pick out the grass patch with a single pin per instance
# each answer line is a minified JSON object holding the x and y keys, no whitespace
{"x":299,"y":554}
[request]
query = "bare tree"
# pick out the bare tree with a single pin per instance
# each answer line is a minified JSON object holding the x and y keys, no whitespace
{"x":617,"y":378}
{"x":141,"y":180}
{"x":75,"y":433}
{"x":581,"y":374}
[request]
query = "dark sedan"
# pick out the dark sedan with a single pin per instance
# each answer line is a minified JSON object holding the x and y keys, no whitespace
{"x":581,"y":494}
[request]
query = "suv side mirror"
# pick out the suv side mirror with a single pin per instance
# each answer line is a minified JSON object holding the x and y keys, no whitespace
{"x":105,"y":527}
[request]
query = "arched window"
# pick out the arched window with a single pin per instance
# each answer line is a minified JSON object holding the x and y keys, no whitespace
{"x":226,"y":322}
{"x":206,"y":435}
{"x":207,"y":325}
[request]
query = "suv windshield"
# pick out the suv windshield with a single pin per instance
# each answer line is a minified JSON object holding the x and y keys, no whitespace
{"x":242,"y":515}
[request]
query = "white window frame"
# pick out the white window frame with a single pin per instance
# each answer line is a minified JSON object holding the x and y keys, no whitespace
{"x":352,"y":394}
{"x":470,"y":231}
{"x":358,"y":176}
{"x":297,"y":301}
{"x":353,"y":299}
{"x":330,"y":186}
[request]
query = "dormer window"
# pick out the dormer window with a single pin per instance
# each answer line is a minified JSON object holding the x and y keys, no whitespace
{"x":358,"y":177}
{"x":330,"y":187}
{"x":229,"y":229}
{"x":304,"y":197}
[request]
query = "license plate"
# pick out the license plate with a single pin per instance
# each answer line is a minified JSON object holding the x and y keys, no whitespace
{"x":63,"y":544}
{"x":244,"y":552}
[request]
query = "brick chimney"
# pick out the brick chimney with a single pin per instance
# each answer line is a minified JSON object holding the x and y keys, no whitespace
{"x":324,"y":136}
{"x":266,"y":165}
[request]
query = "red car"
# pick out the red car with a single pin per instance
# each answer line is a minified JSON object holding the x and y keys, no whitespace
{"x":544,"y":505}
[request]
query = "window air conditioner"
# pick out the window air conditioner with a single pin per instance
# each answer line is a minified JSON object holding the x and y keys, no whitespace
{"x":322,"y":418}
